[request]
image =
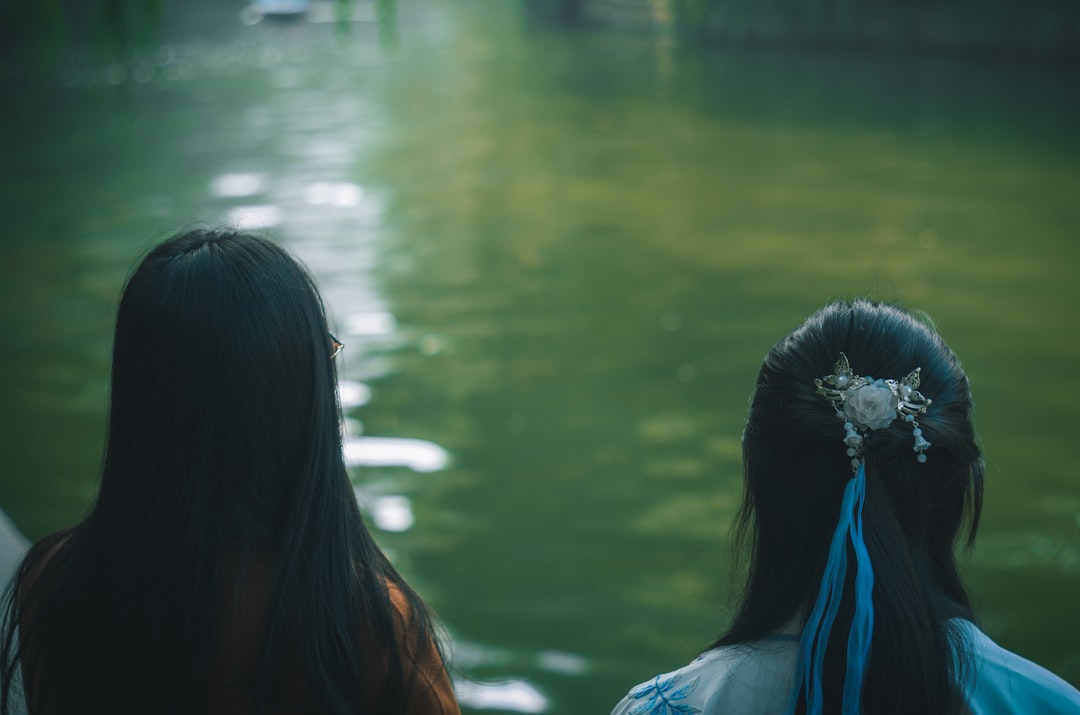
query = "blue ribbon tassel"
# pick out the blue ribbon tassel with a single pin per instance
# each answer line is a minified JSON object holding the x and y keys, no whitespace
{"x":815,"y":635}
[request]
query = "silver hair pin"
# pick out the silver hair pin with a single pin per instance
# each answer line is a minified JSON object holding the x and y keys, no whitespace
{"x":865,"y":404}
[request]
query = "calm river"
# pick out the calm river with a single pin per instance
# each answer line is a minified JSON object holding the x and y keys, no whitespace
{"x":557,"y":258}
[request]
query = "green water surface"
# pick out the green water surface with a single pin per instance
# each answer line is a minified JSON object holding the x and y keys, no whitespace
{"x":560,"y":256}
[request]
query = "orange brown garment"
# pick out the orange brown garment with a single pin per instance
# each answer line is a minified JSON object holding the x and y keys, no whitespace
{"x":231,"y":684}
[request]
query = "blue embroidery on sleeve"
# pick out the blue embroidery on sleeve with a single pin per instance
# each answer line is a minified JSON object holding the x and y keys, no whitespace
{"x":662,"y":700}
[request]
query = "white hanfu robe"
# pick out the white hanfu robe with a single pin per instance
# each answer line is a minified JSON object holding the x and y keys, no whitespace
{"x":756,"y":679}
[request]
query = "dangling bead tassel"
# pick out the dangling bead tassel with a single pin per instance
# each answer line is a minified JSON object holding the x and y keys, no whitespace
{"x":921,"y":444}
{"x":815,"y":635}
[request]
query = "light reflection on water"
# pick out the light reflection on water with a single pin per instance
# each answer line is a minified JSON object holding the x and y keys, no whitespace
{"x":237,"y":185}
{"x":370,"y":324}
{"x":254,"y":218}
{"x":416,"y":454}
{"x":328,"y":193}
{"x":393,"y":512}
{"x":557,"y":661}
{"x":388,"y":512}
{"x":353,"y":394}
{"x":518,"y":696}
{"x":514,"y":694}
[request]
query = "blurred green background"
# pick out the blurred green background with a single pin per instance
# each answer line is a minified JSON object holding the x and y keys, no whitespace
{"x":557,"y":239}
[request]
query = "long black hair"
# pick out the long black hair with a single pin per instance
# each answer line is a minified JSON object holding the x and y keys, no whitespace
{"x":796,"y":469}
{"x":224,"y":446}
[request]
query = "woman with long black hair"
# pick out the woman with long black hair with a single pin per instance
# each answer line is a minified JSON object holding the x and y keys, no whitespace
{"x":224,"y":566}
{"x":862,"y":469}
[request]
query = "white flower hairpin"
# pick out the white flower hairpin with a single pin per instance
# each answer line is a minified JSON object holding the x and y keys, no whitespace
{"x":865,"y":404}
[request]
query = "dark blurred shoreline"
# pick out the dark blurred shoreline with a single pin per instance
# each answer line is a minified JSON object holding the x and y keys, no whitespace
{"x":1047,"y":30}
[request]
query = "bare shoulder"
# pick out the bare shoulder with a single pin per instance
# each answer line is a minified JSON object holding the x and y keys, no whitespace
{"x":432,"y":692}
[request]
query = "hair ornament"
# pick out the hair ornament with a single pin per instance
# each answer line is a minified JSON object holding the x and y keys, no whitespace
{"x":866,"y":404}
